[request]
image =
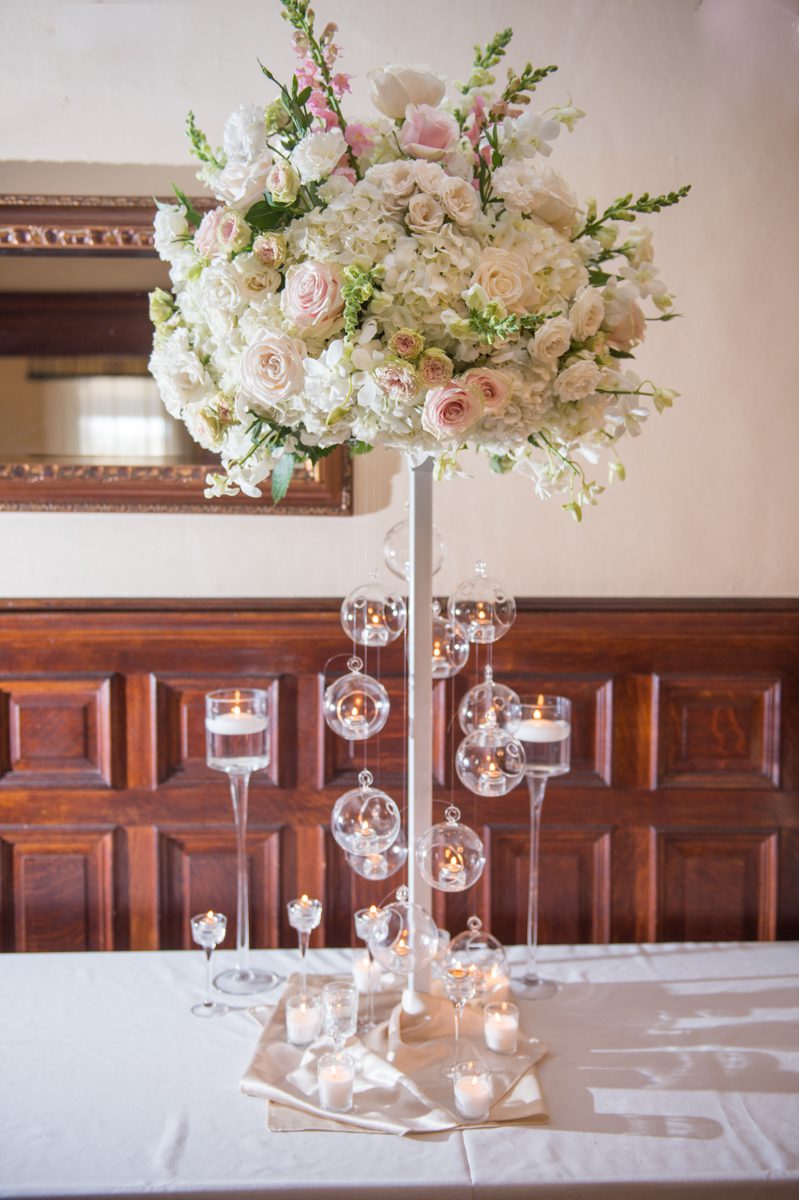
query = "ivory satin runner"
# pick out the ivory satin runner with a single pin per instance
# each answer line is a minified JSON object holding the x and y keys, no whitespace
{"x":398,"y":1087}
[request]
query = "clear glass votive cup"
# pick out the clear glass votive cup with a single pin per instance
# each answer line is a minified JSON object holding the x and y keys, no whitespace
{"x":335,"y":1074}
{"x":471,"y":1083}
{"x":303,"y":1019}
{"x":501,"y":1027}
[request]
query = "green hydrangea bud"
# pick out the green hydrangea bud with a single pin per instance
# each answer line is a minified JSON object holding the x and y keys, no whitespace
{"x":275,"y":116}
{"x":161,"y":306}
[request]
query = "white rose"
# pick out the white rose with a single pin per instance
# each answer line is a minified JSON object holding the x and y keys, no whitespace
{"x":541,"y":193}
{"x":552,"y":339}
{"x":425,"y":214}
{"x":396,"y":183}
{"x":460,"y":201}
{"x":255,"y":275}
{"x":181,"y":377}
{"x":624,"y":321}
{"x":587,"y":313}
{"x":503,"y":275}
{"x":394,"y":88}
{"x":429,"y":177}
{"x":271,"y":368}
{"x":318,"y":154}
{"x":170,"y":224}
{"x":241,"y":183}
{"x":244,"y":136}
{"x":577,"y":381}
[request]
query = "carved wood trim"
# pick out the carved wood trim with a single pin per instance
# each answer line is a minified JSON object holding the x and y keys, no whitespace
{"x":100,"y":225}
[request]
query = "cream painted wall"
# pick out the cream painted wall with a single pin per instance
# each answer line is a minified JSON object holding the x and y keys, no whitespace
{"x":675,"y":90}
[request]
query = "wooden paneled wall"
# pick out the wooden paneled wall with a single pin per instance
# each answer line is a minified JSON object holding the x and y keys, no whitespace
{"x":679,"y":819}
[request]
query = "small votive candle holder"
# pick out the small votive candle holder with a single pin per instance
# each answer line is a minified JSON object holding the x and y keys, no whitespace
{"x":335,"y":1074}
{"x":304,"y":914}
{"x":303,"y":1019}
{"x":471,"y":1083}
{"x":362,"y":969}
{"x":501,"y":1027}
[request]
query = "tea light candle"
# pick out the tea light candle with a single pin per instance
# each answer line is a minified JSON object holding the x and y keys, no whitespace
{"x":235,"y":723}
{"x":501,"y":1027}
{"x":362,"y":968}
{"x":335,"y":1076}
{"x":473,"y":1093}
{"x":542,"y":729}
{"x":303,"y":1018}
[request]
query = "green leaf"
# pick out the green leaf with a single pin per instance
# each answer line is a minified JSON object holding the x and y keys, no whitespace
{"x":281,"y":477}
{"x":191,"y":212}
{"x":264,"y":216}
{"x":304,"y":96}
{"x":598,"y":278}
{"x":359,"y":447}
{"x":621,"y":353}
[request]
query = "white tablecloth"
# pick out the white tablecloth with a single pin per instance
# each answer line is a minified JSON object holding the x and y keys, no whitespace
{"x":674,"y":1066}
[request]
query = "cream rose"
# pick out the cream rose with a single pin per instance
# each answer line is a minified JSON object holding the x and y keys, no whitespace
{"x":493,"y":386}
{"x":459,"y":200}
{"x":398,"y":380}
{"x":271,"y":368}
{"x":451,"y":411}
{"x":396,"y":183}
{"x":428,"y":132}
{"x":503,"y":275}
{"x":312,"y":296}
{"x":429,"y":177}
{"x":624,"y":321}
{"x":425,"y":214}
{"x":435,"y":368}
{"x":270,"y":249}
{"x":283,"y":183}
{"x":552,"y":339}
{"x":587,"y":313}
{"x":394,"y":88}
{"x":540,"y":192}
{"x":578,"y":380}
{"x":232,"y":232}
{"x":205,"y":239}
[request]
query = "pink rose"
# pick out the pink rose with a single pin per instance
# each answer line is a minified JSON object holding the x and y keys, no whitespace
{"x":450,"y":411}
{"x":312,"y":296}
{"x":205,"y":239}
{"x":492,"y":385}
{"x":427,"y":132}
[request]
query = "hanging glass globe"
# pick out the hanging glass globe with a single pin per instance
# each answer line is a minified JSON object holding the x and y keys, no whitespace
{"x":397,"y":554}
{"x":365,"y":820}
{"x":482,"y":607}
{"x":404,"y":937}
{"x":380,"y":866}
{"x":489,"y":762}
{"x":372,"y":615}
{"x":488,"y":697}
{"x":485,"y":954}
{"x":450,"y":856}
{"x":450,"y":646}
{"x":356,"y":706}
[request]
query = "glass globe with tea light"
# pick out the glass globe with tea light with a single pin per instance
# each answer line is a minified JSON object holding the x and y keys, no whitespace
{"x":397,"y":554}
{"x":545,"y":732}
{"x":356,"y":706}
{"x":484,"y":609}
{"x":365,"y":820}
{"x":404,"y":937}
{"x":383,"y":865}
{"x":450,"y":856}
{"x":450,"y":646}
{"x":372,"y":615}
{"x":489,"y":697}
{"x":489,"y":762}
{"x":485,"y":954}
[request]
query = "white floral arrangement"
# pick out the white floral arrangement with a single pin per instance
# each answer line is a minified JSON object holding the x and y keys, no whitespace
{"x":423,"y":281}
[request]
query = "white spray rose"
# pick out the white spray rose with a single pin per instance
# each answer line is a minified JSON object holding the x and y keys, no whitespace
{"x":394,"y":88}
{"x":425,"y":214}
{"x":578,"y":380}
{"x":587,"y":313}
{"x":552,"y":339}
{"x":460,"y":201}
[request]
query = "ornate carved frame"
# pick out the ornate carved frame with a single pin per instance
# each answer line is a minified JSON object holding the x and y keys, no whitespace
{"x":100,"y":226}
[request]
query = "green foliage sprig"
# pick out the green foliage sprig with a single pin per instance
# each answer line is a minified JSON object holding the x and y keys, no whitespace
{"x":518,"y":86}
{"x":356,"y":291}
{"x":625,"y":208}
{"x":200,"y":146}
{"x":492,"y":324}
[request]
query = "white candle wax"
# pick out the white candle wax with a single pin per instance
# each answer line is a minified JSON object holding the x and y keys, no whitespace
{"x":501,"y":1032}
{"x":237,"y":724}
{"x":472,"y":1096}
{"x":302,"y":1023}
{"x":361,"y":969}
{"x":335,"y":1086}
{"x":497,"y":984}
{"x":543,"y":730}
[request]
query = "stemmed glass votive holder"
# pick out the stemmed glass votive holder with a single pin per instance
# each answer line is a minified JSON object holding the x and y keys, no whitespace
{"x":208,"y":930}
{"x":237,"y":742}
{"x":459,"y":984}
{"x":304,"y":915}
{"x":364,"y":919}
{"x":545,"y":732}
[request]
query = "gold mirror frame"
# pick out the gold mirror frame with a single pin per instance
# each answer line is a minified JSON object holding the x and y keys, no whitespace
{"x":116,"y":227}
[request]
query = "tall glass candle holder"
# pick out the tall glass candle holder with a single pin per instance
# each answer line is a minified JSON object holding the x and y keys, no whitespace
{"x":237,"y":742}
{"x":363,"y":925}
{"x":304,"y":916}
{"x":545,"y":733}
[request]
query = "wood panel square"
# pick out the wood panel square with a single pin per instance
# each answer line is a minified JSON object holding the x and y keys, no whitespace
{"x":179,"y":726}
{"x":60,"y":885}
{"x":60,"y":731}
{"x":718,"y":731}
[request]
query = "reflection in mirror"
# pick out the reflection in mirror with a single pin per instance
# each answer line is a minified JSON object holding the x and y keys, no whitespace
{"x":98,"y":410}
